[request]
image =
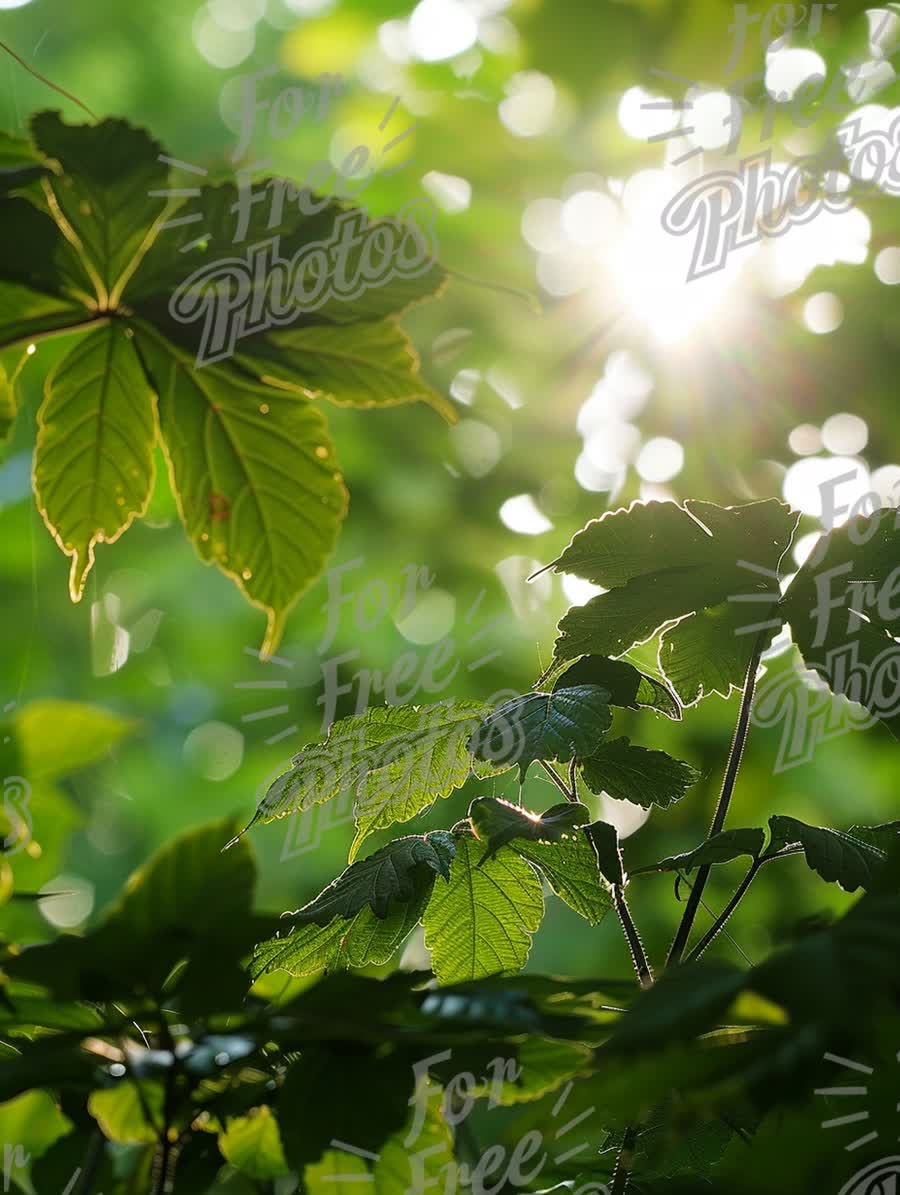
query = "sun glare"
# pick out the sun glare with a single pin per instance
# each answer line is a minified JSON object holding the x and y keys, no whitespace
{"x":650,"y":268}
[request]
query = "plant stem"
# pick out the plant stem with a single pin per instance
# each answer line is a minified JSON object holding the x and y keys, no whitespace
{"x":622,"y":1172}
{"x":165,"y":1152}
{"x":741,"y":891}
{"x":632,"y":937}
{"x":558,"y":781}
{"x":718,"y":823}
{"x":55,"y":86}
{"x":716,"y":928}
{"x":625,"y":1156}
{"x":92,"y":1159}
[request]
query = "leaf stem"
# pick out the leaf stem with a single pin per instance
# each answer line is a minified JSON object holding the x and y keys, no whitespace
{"x":718,"y":823}
{"x":558,"y":781}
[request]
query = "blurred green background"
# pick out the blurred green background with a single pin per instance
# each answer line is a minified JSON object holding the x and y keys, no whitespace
{"x":586,"y":374}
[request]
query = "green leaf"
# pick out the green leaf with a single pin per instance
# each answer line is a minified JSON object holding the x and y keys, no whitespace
{"x":8,"y":404}
{"x":709,"y":652}
{"x":365,"y":915}
{"x":190,"y":882}
{"x":373,"y":941}
{"x":252,"y":1144}
{"x":93,"y":466}
{"x":359,"y":365}
{"x":844,"y":630}
{"x":19,"y":161}
{"x":254,"y":475}
{"x":44,"y":286}
{"x":481,"y":922}
{"x":604,"y":841}
{"x":394,"y":760}
{"x":119,"y":1111}
{"x":627,"y":686}
{"x":684,"y":1001}
{"x":33,"y":1122}
{"x":720,"y":848}
{"x":570,"y":868}
{"x":190,"y":901}
{"x":174,"y":258}
{"x":838,"y":973}
{"x":388,"y":874}
{"x":542,"y":1065}
{"x":415,"y":1160}
{"x":60,"y":737}
{"x":550,"y":842}
{"x":635,"y":774}
{"x":333,"y":1168}
{"x":659,"y":561}
{"x":557,"y":725}
{"x":498,"y":822}
{"x":103,"y":199}
{"x":304,"y":951}
{"x":837,"y":856}
{"x":883,"y":837}
{"x":317,"y":1108}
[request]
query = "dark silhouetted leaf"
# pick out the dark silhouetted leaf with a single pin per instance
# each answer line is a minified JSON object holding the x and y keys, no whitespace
{"x":635,"y":774}
{"x":604,"y":840}
{"x":558,"y":725}
{"x":659,"y":562}
{"x":626,"y":685}
{"x":721,"y":848}
{"x":837,"y":856}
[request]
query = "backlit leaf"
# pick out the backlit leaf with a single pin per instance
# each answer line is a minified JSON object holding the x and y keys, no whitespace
{"x":481,"y":922}
{"x":93,"y":465}
{"x":252,"y":1144}
{"x":392,"y":762}
{"x":660,"y":562}
{"x":254,"y":474}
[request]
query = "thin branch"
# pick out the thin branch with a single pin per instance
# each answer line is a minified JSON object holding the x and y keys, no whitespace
{"x":93,"y":1156}
{"x":712,"y":916}
{"x":624,"y":1161}
{"x":716,"y":928}
{"x":632,"y":937}
{"x":68,"y":95}
{"x":741,"y":891}
{"x":718,"y":823}
{"x":625,"y":1155}
{"x":558,"y":781}
{"x":165,"y":1153}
